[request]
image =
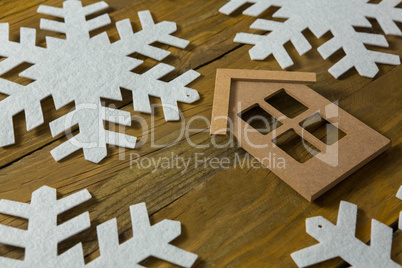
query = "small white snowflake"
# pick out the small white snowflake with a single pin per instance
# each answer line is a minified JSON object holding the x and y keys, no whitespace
{"x":41,"y":239}
{"x":339,"y":241}
{"x":84,"y":70}
{"x":320,"y":16}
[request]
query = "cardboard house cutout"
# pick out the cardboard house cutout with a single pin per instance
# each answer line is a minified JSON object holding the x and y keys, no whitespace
{"x":303,"y":138}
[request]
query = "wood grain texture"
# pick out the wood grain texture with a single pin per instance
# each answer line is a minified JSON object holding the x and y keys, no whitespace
{"x":239,"y":216}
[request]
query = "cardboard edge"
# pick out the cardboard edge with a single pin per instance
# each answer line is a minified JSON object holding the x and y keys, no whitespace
{"x":282,"y":76}
{"x":220,"y":107}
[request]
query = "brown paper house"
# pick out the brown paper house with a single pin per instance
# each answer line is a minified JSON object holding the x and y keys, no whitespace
{"x":306,"y":140}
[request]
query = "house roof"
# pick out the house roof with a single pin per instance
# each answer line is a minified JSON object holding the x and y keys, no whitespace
{"x":223,"y":86}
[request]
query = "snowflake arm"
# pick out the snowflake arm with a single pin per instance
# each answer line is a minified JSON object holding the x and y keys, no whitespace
{"x":20,"y":98}
{"x":258,"y":7}
{"x":320,"y":16}
{"x":170,"y":93}
{"x":357,"y":55}
{"x":273,"y":43}
{"x":147,"y":241}
{"x":41,"y":238}
{"x":339,"y":241}
{"x":386,"y":14}
{"x":148,"y":84}
{"x":91,"y":139}
{"x":141,"y":41}
{"x":75,"y":25}
{"x":17,"y":53}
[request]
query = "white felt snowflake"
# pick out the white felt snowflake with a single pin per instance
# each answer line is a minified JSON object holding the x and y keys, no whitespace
{"x":339,"y":241}
{"x":83,"y":70}
{"x":320,"y":16}
{"x":41,"y":239}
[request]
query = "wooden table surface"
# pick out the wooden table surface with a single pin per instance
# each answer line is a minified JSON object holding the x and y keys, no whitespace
{"x":239,"y":216}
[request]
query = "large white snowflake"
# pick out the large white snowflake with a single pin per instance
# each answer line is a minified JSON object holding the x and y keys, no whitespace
{"x":83,"y":70}
{"x":41,"y":239}
{"x":320,"y":16}
{"x":339,"y":241}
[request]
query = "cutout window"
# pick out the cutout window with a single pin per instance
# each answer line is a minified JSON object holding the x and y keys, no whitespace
{"x":259,"y":119}
{"x":295,"y":146}
{"x":286,"y":104}
{"x":322,"y":129}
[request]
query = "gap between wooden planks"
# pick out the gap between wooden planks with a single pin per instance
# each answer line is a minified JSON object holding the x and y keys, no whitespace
{"x":208,"y":227}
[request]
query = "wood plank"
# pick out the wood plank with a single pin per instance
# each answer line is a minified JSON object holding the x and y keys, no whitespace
{"x":205,"y":47}
{"x":113,"y":183}
{"x":237,"y":216}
